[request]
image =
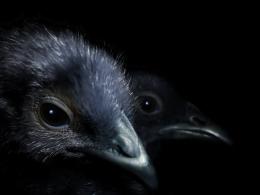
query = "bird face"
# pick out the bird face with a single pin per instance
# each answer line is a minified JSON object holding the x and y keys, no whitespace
{"x":163,"y":114}
{"x":60,"y":98}
{"x":186,"y":147}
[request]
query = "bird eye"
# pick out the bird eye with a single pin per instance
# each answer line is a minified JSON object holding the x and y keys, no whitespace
{"x":53,"y":116}
{"x":150,"y":104}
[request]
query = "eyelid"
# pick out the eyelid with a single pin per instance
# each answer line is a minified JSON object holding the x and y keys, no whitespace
{"x":57,"y":102}
{"x":156,"y":97}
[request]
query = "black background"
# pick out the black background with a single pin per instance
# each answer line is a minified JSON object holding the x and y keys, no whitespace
{"x":200,"y":47}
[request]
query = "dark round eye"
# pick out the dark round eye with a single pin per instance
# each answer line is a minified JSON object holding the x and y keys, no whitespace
{"x":53,"y":115}
{"x":149,"y":104}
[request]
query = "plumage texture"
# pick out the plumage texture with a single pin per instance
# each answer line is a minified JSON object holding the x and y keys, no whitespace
{"x":37,"y":64}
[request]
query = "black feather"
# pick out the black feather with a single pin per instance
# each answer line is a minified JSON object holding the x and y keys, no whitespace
{"x":180,"y":160}
{"x":37,"y":64}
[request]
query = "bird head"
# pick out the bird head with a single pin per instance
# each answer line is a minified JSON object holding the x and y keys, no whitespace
{"x":162,"y":114}
{"x":187,"y":148}
{"x":60,"y":97}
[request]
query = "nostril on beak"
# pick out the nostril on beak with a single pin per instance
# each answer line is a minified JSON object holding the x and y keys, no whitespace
{"x":126,"y":147}
{"x":198,"y":121}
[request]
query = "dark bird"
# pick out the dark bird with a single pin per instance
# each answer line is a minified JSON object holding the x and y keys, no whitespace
{"x":66,"y":118}
{"x":185,"y":145}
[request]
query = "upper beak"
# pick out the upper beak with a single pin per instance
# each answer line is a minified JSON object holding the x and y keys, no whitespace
{"x":128,"y":153}
{"x":184,"y":130}
{"x":195,"y":125}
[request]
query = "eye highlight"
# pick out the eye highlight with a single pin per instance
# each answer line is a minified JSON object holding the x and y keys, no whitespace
{"x":149,"y":103}
{"x":54,"y":114}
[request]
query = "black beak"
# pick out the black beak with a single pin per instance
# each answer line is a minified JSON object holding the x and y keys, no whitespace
{"x":194,"y":125}
{"x":127,"y":152}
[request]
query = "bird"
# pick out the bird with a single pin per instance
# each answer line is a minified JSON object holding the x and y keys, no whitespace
{"x":66,"y":114}
{"x":184,"y":143}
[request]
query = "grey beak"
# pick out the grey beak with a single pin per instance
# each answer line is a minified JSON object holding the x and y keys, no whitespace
{"x":129,"y":154}
{"x":184,"y":131}
{"x":195,"y":126}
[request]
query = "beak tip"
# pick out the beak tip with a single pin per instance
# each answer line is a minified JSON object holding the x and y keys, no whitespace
{"x":138,"y":164}
{"x":145,"y":170}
